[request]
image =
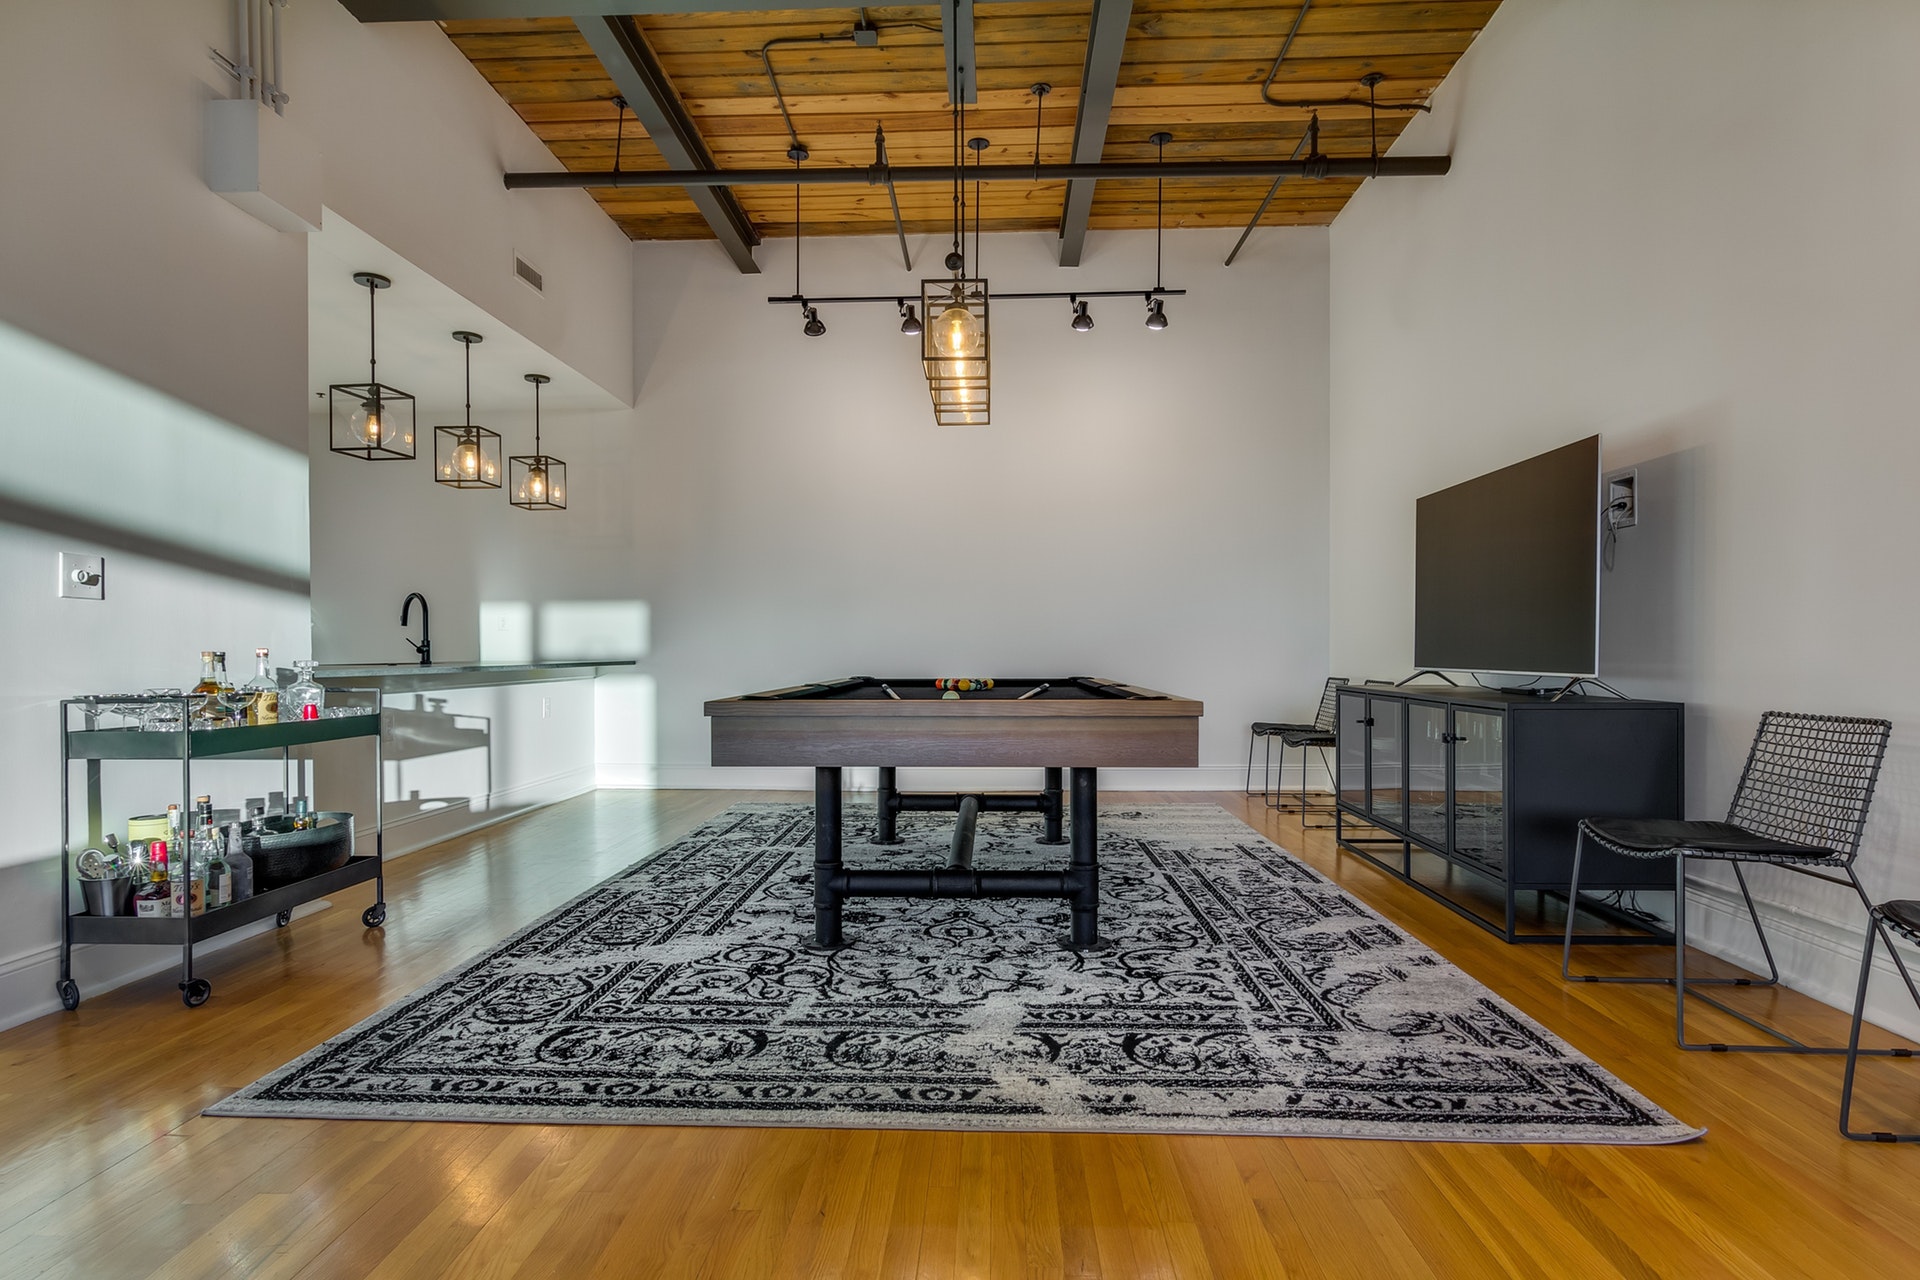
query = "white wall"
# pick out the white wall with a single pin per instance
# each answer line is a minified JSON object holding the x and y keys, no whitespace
{"x":1686,"y":227}
{"x":112,"y":248}
{"x":1146,"y":506}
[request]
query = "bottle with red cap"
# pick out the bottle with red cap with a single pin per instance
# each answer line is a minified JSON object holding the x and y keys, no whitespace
{"x":154,"y":900}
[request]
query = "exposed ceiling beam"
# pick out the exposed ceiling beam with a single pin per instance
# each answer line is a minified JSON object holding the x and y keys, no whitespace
{"x":956,"y":32}
{"x":623,"y":51}
{"x":1106,"y":42}
{"x":494,"y":10}
{"x":490,"y":10}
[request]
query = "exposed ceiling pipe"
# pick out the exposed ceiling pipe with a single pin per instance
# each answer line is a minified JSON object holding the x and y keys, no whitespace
{"x":881,"y":174}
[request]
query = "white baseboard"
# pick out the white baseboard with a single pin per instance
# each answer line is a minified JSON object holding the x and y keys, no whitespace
{"x":700,"y":777}
{"x":27,"y":979}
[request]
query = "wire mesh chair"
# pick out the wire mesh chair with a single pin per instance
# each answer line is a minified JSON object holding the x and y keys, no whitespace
{"x":1319,"y":735}
{"x":1903,"y":918}
{"x":1801,"y":805}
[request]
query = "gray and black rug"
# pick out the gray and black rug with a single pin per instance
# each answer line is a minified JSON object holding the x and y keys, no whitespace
{"x":1242,"y":993}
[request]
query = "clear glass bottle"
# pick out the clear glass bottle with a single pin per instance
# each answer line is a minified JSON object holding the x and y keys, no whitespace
{"x":263,"y":695}
{"x":240,"y":864}
{"x":210,"y":859}
{"x":303,"y":699}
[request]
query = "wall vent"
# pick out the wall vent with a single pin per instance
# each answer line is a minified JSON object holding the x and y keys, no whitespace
{"x":524,"y":269}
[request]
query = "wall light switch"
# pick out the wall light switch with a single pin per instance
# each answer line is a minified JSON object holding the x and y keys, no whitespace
{"x":82,"y":577}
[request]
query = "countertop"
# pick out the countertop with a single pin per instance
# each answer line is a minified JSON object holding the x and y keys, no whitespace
{"x":399,"y":677}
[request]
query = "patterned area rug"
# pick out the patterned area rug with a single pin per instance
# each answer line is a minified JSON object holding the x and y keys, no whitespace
{"x":1241,"y":993}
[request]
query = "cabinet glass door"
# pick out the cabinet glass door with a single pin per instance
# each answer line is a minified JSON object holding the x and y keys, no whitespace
{"x":1480,"y":789}
{"x":1427,"y":772}
{"x":1386,"y":761}
{"x":1351,"y":760}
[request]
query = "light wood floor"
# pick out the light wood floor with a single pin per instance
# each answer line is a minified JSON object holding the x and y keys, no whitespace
{"x":107,"y":1169}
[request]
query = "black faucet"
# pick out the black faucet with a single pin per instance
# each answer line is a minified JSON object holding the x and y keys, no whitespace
{"x":425,"y":647}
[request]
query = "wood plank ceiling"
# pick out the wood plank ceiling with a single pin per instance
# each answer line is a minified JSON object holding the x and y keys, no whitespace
{"x":1191,"y":67}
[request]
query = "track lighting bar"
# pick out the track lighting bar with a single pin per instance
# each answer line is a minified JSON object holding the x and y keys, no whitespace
{"x":900,"y":300}
{"x":882,"y":174}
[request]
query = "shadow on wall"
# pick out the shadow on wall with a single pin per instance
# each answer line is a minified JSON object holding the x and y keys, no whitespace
{"x":89,"y":443}
{"x":1649,"y":598}
{"x":626,"y":739}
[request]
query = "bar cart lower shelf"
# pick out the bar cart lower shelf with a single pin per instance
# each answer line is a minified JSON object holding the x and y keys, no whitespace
{"x":94,"y":744}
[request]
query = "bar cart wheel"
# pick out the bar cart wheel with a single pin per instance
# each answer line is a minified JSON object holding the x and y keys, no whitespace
{"x":374,"y":916}
{"x":195,"y":993}
{"x":69,"y":994}
{"x":282,"y":920}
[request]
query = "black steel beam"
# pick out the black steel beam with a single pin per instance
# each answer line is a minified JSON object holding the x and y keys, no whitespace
{"x":1106,"y":43}
{"x":878,"y":175}
{"x":956,"y":32}
{"x":624,"y":52}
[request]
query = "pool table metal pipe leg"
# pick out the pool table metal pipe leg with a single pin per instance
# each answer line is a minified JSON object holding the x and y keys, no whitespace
{"x":887,"y":809}
{"x":827,"y":895}
{"x":960,"y":858}
{"x":1084,"y":871}
{"x":1053,"y":807}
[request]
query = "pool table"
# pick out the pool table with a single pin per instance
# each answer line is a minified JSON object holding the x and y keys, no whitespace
{"x":1077,"y":723}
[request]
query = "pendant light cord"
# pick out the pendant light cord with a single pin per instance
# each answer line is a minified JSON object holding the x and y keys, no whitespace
{"x":976,"y":211}
{"x":959,"y":190}
{"x":536,"y":424}
{"x":1159,"y":205}
{"x":373,"y":342}
{"x":469,"y":347}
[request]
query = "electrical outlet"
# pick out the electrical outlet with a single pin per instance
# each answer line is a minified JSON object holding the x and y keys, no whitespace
{"x":82,"y":577}
{"x":1623,"y":499}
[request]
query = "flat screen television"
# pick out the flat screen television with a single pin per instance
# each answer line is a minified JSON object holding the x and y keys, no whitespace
{"x":1507,"y":569}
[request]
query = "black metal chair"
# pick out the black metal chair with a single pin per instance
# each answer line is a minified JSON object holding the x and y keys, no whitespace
{"x":1801,"y":805}
{"x":1903,"y":918}
{"x":1318,"y":735}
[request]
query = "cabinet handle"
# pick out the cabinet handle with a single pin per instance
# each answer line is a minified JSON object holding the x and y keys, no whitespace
{"x":1368,"y":721}
{"x":1453,"y":737}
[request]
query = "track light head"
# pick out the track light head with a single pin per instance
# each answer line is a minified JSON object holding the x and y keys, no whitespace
{"x":1082,"y":322}
{"x":815,"y":326}
{"x":909,"y":321}
{"x":1156,"y":315}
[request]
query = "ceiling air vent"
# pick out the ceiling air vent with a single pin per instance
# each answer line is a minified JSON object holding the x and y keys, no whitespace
{"x":524,"y":269}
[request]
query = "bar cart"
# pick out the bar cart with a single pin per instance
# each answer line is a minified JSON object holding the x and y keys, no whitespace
{"x":94,"y":730}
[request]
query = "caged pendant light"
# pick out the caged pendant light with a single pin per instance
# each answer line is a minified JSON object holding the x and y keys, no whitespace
{"x":369,"y":420}
{"x":954,"y":345}
{"x":467,"y":457}
{"x":537,"y":481}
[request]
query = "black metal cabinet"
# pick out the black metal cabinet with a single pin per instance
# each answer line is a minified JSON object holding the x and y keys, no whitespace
{"x":1474,"y":795}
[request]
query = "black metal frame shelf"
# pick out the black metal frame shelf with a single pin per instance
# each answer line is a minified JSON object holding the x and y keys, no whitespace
{"x":1557,"y":761}
{"x":93,"y":746}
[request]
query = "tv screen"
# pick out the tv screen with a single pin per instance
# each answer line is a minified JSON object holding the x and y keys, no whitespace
{"x":1506,"y":568}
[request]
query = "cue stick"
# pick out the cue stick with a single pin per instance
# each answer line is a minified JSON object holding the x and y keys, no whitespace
{"x":1034,"y":692}
{"x":889,"y":691}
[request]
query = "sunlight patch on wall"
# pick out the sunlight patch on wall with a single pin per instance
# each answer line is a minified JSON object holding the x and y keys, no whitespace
{"x":625,"y":731}
{"x":582,"y":630}
{"x":90,"y":443}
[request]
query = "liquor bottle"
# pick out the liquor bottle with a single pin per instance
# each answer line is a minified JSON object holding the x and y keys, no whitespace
{"x":239,"y":864}
{"x":302,"y":819}
{"x":263,"y":702}
{"x":154,"y":899}
{"x":176,"y":828}
{"x":219,"y":876}
{"x":303,"y":699}
{"x":205,"y":697}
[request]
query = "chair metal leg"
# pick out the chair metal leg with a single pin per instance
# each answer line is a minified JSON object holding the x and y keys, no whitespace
{"x":1853,"y":1047}
{"x":1267,"y":785}
{"x":1787,"y":1043}
{"x":1251,"y":735}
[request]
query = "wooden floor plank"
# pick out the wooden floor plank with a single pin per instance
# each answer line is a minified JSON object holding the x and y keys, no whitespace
{"x":107,"y":1169}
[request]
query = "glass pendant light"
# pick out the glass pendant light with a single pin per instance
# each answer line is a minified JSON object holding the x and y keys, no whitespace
{"x":954,"y":348}
{"x":537,"y":481}
{"x":370,"y":420}
{"x":467,"y":457}
{"x":1156,"y":305}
